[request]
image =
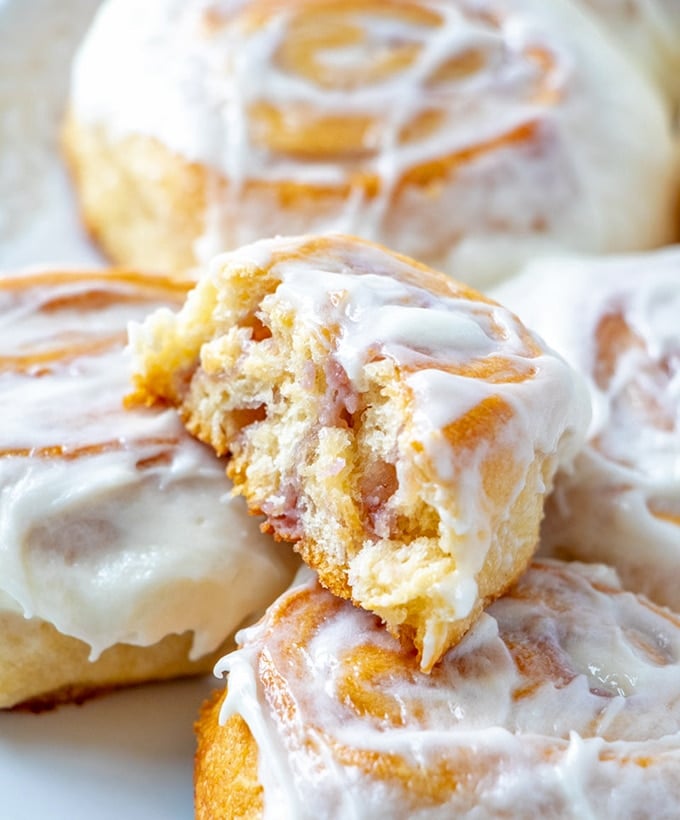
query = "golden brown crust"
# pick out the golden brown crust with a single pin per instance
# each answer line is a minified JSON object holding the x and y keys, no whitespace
{"x":40,"y":667}
{"x":151,"y":225}
{"x":146,"y":206}
{"x":226,"y":783}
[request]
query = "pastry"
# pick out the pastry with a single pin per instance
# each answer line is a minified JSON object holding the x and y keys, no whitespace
{"x":649,"y":31}
{"x":617,"y":321}
{"x":122,"y":557}
{"x":562,"y":702}
{"x":396,"y":425}
{"x":470,"y":134}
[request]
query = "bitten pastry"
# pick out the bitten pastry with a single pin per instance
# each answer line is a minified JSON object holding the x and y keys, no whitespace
{"x":617,"y":321}
{"x":469,"y":134}
{"x":397,"y":426}
{"x":122,"y":559}
{"x":562,"y":702}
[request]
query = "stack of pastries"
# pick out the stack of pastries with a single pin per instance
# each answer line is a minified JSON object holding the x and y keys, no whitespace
{"x":403,"y":431}
{"x":416,"y":437}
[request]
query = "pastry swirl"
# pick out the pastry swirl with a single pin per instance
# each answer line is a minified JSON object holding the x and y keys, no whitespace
{"x":470,"y":135}
{"x":561,"y":701}
{"x":121,"y":557}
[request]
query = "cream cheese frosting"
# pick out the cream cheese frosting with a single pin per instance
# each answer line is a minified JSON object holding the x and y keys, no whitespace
{"x":617,"y":321}
{"x":519,"y":109}
{"x":115,"y":525}
{"x":562,"y":700}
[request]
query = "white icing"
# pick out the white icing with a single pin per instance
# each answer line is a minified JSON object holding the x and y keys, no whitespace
{"x":650,"y":31}
{"x":137,"y":541}
{"x":529,"y":703}
{"x":595,"y":175}
{"x":602,"y":508}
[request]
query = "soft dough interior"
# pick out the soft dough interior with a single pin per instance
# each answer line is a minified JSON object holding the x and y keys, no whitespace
{"x":336,"y":465}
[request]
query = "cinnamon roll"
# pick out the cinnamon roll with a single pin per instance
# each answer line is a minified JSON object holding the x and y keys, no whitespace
{"x":561,"y":701}
{"x":649,"y":32}
{"x":470,"y":134}
{"x":401,"y":429}
{"x":617,"y":321}
{"x":122,"y":559}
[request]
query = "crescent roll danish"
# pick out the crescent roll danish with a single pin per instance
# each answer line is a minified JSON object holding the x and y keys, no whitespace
{"x":617,"y":321}
{"x":563,"y":701}
{"x":470,"y":134}
{"x":396,"y":425}
{"x":121,"y":558}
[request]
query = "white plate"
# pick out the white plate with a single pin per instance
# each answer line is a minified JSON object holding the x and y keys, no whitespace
{"x":128,"y":755}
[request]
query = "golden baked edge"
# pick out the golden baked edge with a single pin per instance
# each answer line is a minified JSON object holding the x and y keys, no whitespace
{"x":226,"y":783}
{"x":41,"y":668}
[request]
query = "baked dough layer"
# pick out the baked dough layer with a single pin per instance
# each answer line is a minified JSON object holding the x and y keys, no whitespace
{"x":225,"y":785}
{"x":41,"y":668}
